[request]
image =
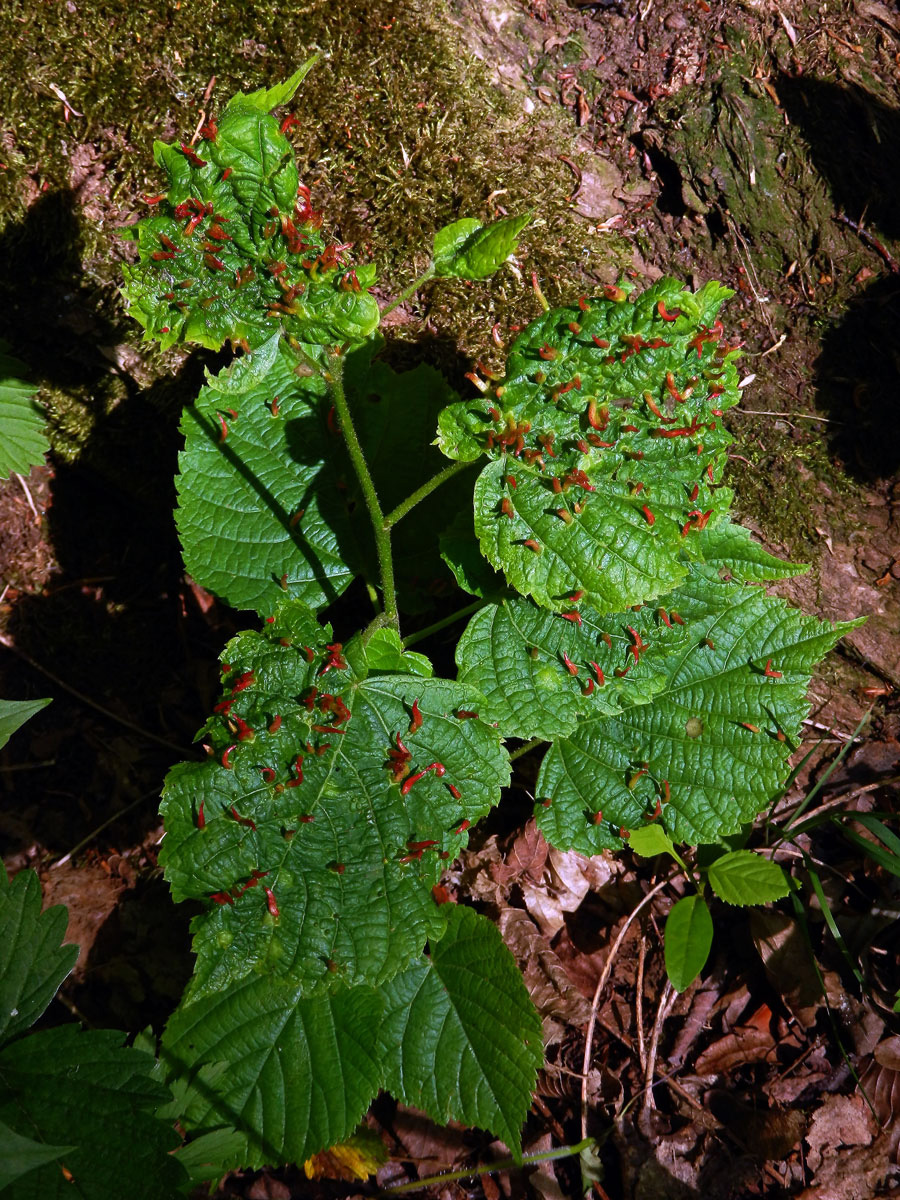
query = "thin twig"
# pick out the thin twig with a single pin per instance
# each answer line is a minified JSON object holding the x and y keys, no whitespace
{"x":37,"y":515}
{"x":665,"y":1003}
{"x":601,"y":984}
{"x":867,"y":237}
{"x":85,"y":841}
{"x":7,"y":641}
{"x":639,"y":1004}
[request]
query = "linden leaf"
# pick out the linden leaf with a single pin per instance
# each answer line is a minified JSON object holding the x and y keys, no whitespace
{"x":468,"y":250}
{"x":606,"y":446}
{"x":712,"y":749}
{"x":540,"y":671}
{"x":461,"y":1038}
{"x":335,"y":793}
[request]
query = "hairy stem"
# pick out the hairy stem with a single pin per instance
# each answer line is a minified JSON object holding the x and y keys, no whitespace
{"x":421,"y":634}
{"x":430,"y":485}
{"x":537,"y":741}
{"x":409,"y":291}
{"x":381,"y":531}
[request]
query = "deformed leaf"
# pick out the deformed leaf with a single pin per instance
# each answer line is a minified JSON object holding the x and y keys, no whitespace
{"x":234,"y":250}
{"x":33,"y":963}
{"x":711,"y":750}
{"x":606,"y":446}
{"x":742,"y":877}
{"x":460,"y":1037}
{"x":325,"y":806}
{"x":539,"y":671}
{"x":688,"y":937}
{"x":468,"y":250}
{"x":294,"y":1074}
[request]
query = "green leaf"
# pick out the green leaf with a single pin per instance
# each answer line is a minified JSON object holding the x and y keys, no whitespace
{"x":231,"y":252}
{"x":208,"y":1157}
{"x":14,"y":714}
{"x":269,"y":495}
{"x":32,"y":962}
{"x":460,"y":1037}
{"x":730,"y":550}
{"x":239,"y":498}
{"x":23,"y":442}
{"x":19,"y":1155}
{"x":606,"y":446}
{"x":650,"y":840}
{"x":707,"y":755}
{"x":384,"y":652}
{"x":352,"y":892}
{"x":468,"y":250}
{"x":742,"y":877}
{"x":293,"y":1074}
{"x":688,"y":939}
{"x":265,"y":99}
{"x":515,"y":654}
{"x":64,"y":1087}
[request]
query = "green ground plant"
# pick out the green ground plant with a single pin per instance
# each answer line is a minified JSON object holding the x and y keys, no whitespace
{"x":575,"y":506}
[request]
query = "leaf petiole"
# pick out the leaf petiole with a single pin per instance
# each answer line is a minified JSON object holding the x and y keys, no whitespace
{"x":409,"y":290}
{"x":430,"y":485}
{"x":379,"y":528}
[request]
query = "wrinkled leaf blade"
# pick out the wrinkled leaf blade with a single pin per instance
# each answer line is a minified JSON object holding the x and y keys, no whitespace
{"x":460,"y":1036}
{"x":710,"y":739}
{"x":33,"y":963}
{"x":300,"y":1071}
{"x":66,"y":1086}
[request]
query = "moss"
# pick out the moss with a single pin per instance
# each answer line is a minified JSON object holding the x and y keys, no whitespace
{"x":400,"y":132}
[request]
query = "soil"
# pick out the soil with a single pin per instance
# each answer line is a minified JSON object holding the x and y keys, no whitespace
{"x":746,"y":141}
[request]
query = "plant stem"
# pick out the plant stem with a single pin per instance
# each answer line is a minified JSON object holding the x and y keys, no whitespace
{"x":409,"y":291}
{"x":430,"y":485}
{"x":537,"y":741}
{"x":502,"y":1165}
{"x":381,"y":532}
{"x":421,"y":634}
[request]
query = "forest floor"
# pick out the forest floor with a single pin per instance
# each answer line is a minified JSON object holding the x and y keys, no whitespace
{"x":747,"y":141}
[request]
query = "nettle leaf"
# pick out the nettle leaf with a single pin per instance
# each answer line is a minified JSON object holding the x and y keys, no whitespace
{"x":86,"y":1094}
{"x":711,"y":750}
{"x":742,"y":877}
{"x":460,"y":1036}
{"x":234,"y":249}
{"x":469,"y":250}
{"x":33,"y":963}
{"x":23,"y":442}
{"x":688,"y":939}
{"x":324,"y":816}
{"x":293,"y":1073}
{"x":541,"y":671}
{"x":606,"y":443}
{"x":260,"y":516}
